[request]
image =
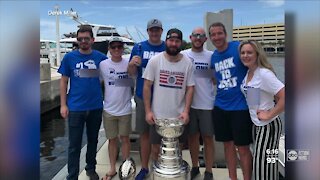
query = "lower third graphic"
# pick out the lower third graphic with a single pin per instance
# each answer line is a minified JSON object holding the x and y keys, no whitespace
{"x":298,"y":155}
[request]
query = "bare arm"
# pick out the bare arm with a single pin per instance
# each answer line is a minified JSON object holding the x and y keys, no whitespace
{"x":133,"y":64}
{"x":184,"y":116}
{"x":276,"y":110}
{"x":63,"y":96}
{"x":147,"y":101}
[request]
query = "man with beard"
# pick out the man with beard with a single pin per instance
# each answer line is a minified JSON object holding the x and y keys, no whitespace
{"x":83,"y":104}
{"x":171,"y":74}
{"x":140,"y":55}
{"x":202,"y":104}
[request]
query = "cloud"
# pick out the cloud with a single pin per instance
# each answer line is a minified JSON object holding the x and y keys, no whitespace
{"x":48,"y":28}
{"x":188,"y":3}
{"x":126,"y":8}
{"x":273,"y":3}
{"x":133,"y":6}
{"x":84,"y":2}
{"x":270,"y":20}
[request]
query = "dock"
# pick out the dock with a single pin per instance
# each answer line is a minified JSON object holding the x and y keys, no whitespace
{"x":103,"y":163}
{"x":49,"y":88}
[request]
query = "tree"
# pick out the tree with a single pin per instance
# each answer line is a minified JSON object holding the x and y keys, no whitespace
{"x":185,"y":45}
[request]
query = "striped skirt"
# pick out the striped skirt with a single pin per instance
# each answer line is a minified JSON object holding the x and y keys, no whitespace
{"x":266,"y":144}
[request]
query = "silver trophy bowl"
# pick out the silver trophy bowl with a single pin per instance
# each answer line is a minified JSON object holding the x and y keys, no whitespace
{"x":169,"y":128}
{"x":127,"y":170}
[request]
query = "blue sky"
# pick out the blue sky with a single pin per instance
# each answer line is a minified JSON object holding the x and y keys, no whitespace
{"x":182,"y":14}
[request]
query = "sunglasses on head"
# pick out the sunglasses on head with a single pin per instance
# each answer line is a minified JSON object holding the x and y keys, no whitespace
{"x":118,"y":46}
{"x":86,"y":39}
{"x":198,"y":36}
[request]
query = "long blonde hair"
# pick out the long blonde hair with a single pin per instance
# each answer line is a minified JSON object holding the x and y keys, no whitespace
{"x":261,"y":54}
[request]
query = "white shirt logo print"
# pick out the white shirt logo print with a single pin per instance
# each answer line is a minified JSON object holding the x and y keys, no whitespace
{"x":80,"y":71}
{"x":90,"y":64}
{"x":224,"y":68}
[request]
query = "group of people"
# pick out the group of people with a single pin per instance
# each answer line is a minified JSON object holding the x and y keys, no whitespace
{"x":231,"y":94}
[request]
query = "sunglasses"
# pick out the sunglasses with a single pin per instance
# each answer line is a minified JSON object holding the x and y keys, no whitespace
{"x":86,"y":39}
{"x":114,"y":47}
{"x":198,"y":36}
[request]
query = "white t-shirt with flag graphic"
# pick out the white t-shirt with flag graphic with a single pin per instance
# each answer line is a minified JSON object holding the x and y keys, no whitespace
{"x":170,"y":80}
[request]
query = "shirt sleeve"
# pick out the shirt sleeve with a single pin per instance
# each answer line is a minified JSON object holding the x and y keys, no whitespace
{"x":101,"y":67}
{"x":102,"y":58}
{"x":270,"y":83}
{"x":190,"y":75}
{"x":134,"y":51}
{"x":64,"y":68}
{"x":210,"y":62}
{"x":149,"y":72}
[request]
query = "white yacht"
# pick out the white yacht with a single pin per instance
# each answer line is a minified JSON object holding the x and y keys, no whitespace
{"x":48,"y":52}
{"x":102,"y":35}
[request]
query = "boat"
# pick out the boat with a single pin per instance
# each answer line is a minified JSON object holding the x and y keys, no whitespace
{"x":102,"y":35}
{"x":48,"y":53}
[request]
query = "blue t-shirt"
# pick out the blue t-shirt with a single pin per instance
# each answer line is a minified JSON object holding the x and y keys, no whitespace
{"x":85,"y":92}
{"x":229,"y":73}
{"x":145,"y":50}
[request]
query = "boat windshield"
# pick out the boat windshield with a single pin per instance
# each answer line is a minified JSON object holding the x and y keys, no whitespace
{"x":107,"y":31}
{"x":52,"y":45}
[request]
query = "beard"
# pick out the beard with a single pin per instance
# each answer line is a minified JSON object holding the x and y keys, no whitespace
{"x":173,"y":51}
{"x":84,"y":46}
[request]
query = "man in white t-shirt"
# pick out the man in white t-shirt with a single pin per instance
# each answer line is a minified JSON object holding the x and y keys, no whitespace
{"x":171,"y":74}
{"x":117,"y":103}
{"x":202,"y":104}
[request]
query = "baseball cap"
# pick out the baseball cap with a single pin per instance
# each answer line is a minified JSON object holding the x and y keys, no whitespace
{"x":154,"y":23}
{"x":115,"y":39}
{"x":174,"y":33}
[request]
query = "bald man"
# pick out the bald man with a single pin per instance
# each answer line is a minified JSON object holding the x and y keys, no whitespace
{"x":202,"y":104}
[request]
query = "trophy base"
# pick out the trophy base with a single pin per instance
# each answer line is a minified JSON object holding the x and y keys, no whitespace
{"x":180,"y":173}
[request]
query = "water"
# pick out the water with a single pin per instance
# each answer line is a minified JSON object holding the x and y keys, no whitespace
{"x":53,"y":144}
{"x":54,"y":133}
{"x":278,"y":65}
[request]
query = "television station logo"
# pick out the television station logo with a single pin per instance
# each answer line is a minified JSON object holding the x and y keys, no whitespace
{"x":298,"y":155}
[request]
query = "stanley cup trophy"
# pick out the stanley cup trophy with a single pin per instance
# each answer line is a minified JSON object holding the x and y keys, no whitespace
{"x":170,"y":164}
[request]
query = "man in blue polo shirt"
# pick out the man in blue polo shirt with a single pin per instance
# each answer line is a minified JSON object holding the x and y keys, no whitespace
{"x":82,"y":105}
